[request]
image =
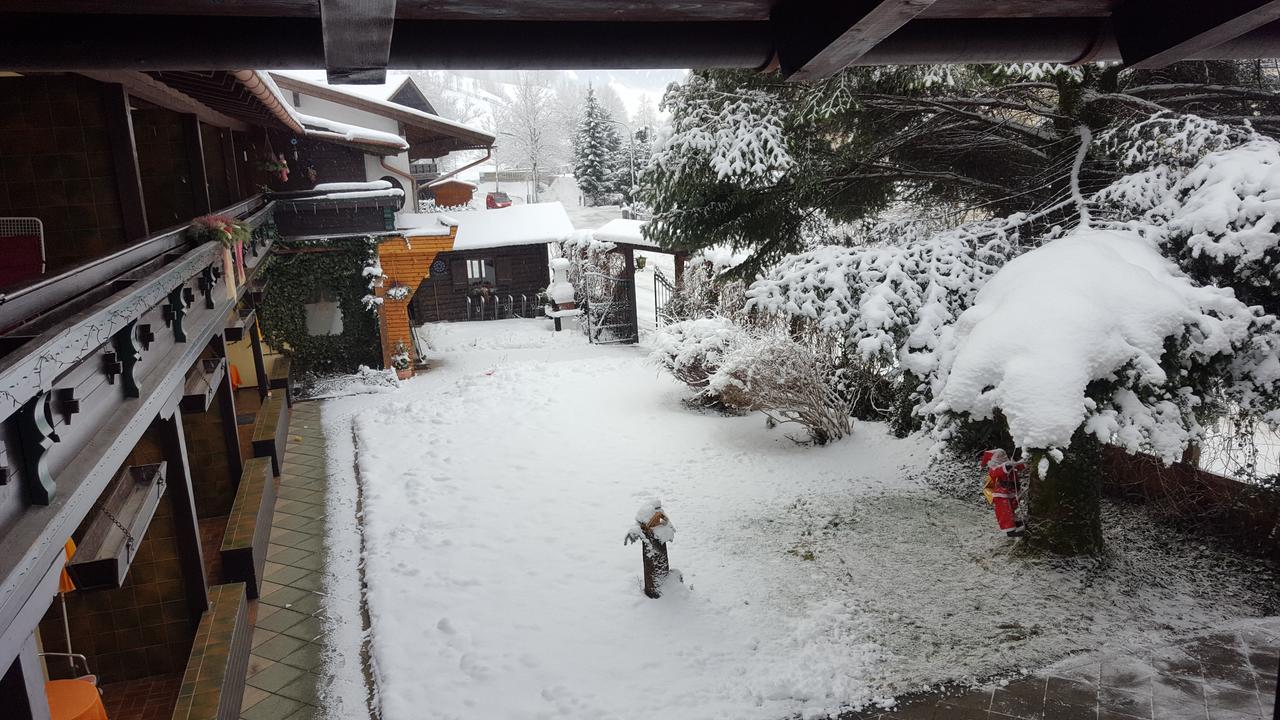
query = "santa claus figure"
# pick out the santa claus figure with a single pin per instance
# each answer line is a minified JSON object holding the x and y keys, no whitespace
{"x":1004,"y":480}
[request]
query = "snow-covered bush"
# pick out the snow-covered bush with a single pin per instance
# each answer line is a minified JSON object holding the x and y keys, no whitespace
{"x":1221,"y":221}
{"x":890,"y":300}
{"x":1097,"y":330}
{"x":705,"y":291}
{"x":788,"y":380}
{"x":693,"y":351}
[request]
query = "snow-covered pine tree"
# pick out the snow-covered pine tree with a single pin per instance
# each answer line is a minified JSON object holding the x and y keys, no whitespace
{"x":598,"y":158}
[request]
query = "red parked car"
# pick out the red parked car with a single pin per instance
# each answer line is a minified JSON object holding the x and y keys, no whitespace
{"x":495,"y":200}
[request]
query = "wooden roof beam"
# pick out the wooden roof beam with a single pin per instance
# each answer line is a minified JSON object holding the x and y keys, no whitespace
{"x":818,"y":39}
{"x":1156,"y":33}
{"x":357,"y":40}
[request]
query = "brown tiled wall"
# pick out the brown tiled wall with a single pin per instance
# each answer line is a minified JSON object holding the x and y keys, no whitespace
{"x":56,"y":164}
{"x":215,"y":166}
{"x":215,"y":489}
{"x":143,"y":628}
{"x":162,"y":162}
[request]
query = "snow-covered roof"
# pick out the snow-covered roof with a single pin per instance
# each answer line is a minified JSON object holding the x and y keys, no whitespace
{"x":528,"y":224}
{"x":347,"y":186}
{"x":370,"y":101}
{"x":451,"y":180}
{"x":624,"y":232}
{"x":324,"y":128}
{"x":373,"y":141}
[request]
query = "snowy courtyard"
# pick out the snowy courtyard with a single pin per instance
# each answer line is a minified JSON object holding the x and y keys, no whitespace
{"x":496,"y":488}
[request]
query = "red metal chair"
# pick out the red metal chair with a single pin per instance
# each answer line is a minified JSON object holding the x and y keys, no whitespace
{"x":22,"y":247}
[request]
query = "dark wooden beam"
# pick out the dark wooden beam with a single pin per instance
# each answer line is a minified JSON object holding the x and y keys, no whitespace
{"x":259,"y":363}
{"x":357,"y":39}
{"x":199,"y":174}
{"x":185,"y":524}
{"x":1156,"y":33}
{"x":230,"y":166}
{"x":818,"y":39}
{"x":141,"y":85}
{"x":227,"y":408}
{"x":73,"y":42}
{"x":124,"y":152}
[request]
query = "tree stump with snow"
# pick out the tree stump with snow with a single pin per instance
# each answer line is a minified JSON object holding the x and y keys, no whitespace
{"x":653,"y":530}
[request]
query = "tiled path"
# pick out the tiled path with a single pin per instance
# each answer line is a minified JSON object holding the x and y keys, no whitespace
{"x":284,"y":667}
{"x":1228,"y":675}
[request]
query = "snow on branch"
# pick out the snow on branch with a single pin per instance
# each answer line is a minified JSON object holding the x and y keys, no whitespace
{"x":738,"y":137}
{"x":1098,"y":328}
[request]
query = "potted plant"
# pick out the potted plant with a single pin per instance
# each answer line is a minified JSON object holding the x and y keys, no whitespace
{"x":401,"y":362}
{"x":397,"y":291}
{"x":278,"y":166}
{"x":232,"y":234}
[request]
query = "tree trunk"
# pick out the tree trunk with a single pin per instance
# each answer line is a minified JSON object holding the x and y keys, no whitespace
{"x":1064,"y":510}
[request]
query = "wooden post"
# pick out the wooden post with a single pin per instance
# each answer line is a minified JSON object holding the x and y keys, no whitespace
{"x":629,"y":255}
{"x":259,"y":364}
{"x":22,"y":685}
{"x":124,"y":156}
{"x":656,"y":565}
{"x":653,"y":531}
{"x":680,"y":258}
{"x":228,"y":139}
{"x":185,"y":524}
{"x":230,"y":430}
{"x":195,"y":164}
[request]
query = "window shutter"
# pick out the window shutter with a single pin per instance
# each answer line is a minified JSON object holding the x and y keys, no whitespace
{"x":458,"y":268}
{"x":502,"y":268}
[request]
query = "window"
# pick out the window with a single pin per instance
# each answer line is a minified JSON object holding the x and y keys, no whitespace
{"x":480,"y":272}
{"x":324,"y":317}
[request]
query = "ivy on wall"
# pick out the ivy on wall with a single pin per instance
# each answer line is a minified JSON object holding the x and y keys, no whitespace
{"x":300,"y":272}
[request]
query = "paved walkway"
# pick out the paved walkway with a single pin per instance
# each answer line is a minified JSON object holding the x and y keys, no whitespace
{"x":1229,"y":675}
{"x":285,"y":664}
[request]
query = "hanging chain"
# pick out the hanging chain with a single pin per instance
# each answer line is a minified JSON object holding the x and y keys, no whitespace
{"x":129,"y":539}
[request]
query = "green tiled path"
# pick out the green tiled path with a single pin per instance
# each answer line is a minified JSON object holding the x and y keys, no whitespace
{"x":285,"y":664}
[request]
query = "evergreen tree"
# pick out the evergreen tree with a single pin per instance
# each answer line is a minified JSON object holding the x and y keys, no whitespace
{"x":598,"y":159}
{"x":769,"y":166}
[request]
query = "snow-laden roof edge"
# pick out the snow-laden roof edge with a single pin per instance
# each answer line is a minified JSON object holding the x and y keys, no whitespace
{"x":334,"y":131}
{"x":622,"y":231}
{"x":529,"y":224}
{"x":426,"y":119}
{"x":448,"y":180}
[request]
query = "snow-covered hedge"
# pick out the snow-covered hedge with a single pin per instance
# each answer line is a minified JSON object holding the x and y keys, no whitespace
{"x":888,"y":301}
{"x":693,"y":351}
{"x":1099,"y":329}
{"x":758,"y":368}
{"x":789,"y":380}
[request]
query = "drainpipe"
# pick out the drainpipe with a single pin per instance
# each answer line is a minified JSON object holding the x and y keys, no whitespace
{"x":413,"y":184}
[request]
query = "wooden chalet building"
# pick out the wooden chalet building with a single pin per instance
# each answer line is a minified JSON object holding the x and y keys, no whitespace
{"x":482,"y":264}
{"x":143,"y":418}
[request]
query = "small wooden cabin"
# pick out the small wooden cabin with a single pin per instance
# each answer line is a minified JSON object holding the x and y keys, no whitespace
{"x":450,"y":192}
{"x":494,"y":266}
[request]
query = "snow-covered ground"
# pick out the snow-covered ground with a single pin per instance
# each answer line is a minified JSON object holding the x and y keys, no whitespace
{"x":498,"y":486}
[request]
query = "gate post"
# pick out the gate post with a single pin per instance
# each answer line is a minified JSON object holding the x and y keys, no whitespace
{"x":633,"y":316}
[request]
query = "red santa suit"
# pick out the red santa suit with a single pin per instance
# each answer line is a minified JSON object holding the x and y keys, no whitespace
{"x":1001,"y":489}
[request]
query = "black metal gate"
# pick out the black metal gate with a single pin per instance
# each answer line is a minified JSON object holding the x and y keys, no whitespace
{"x":662,"y":292}
{"x":610,"y":309}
